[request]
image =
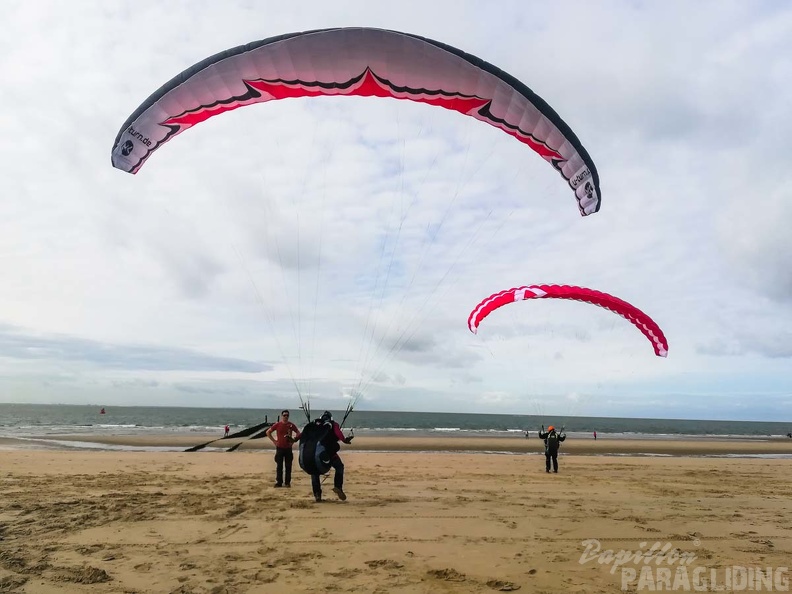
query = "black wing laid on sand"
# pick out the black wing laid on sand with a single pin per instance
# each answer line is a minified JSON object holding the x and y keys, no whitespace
{"x":259,"y":435}
{"x":244,"y":433}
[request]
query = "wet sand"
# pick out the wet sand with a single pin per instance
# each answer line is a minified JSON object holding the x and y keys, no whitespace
{"x":211,"y":522}
{"x":519,"y":445}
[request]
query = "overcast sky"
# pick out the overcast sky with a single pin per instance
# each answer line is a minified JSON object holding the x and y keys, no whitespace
{"x":337,"y":246}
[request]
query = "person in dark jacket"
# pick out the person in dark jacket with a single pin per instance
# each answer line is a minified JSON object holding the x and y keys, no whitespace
{"x":552,"y":440}
{"x":333,"y":437}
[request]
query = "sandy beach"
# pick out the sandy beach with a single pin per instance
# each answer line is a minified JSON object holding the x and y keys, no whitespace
{"x":704,"y":446}
{"x":434,"y":520}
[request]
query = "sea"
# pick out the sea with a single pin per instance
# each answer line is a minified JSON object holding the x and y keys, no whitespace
{"x":36,"y":420}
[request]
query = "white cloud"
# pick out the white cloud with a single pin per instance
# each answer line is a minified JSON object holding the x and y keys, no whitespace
{"x":339,"y":245}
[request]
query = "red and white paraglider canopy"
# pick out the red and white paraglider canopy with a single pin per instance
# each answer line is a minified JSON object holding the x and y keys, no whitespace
{"x":639,"y":319}
{"x":362,"y":62}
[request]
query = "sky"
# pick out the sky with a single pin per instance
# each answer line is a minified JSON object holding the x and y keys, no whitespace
{"x":332,"y":248}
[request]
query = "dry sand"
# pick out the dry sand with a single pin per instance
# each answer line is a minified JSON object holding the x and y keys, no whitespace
{"x":210,"y":522}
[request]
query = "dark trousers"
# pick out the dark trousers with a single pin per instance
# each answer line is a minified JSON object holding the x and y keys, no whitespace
{"x":283,"y":455}
{"x":338,"y":479}
{"x":551,"y":456}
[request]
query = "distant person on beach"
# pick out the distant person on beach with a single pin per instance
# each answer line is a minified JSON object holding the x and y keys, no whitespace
{"x":287,"y":433}
{"x":595,"y":436}
{"x":227,"y":429}
{"x":552,"y":440}
{"x":789,"y":435}
{"x":319,"y":449}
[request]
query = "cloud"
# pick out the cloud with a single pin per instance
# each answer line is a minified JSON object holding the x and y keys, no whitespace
{"x":69,"y":349}
{"x":720,"y":348}
{"x":496,"y":398}
{"x":136,"y":383}
{"x":340,"y":243}
{"x":755,"y":235}
{"x":774,"y":345}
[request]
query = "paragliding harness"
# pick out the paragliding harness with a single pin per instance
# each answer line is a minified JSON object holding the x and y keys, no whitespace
{"x":318,"y":445}
{"x":551,"y":442}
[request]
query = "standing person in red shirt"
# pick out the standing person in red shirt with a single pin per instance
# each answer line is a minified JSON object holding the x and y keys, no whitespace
{"x":227,"y":429}
{"x":287,"y":433}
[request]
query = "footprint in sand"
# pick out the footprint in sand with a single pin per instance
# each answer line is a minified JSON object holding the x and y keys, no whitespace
{"x":82,"y":575}
{"x":384,"y":564}
{"x":11,"y":582}
{"x":502,"y":586}
{"x":344,"y":573}
{"x":143,"y":567}
{"x":448,"y":575}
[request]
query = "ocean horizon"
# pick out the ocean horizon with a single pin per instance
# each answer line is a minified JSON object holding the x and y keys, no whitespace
{"x":27,"y":420}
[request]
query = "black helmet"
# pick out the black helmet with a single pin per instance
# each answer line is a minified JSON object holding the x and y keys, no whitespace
{"x":327,"y":416}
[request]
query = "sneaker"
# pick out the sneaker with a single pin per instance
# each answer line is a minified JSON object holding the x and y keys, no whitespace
{"x":548,"y":470}
{"x":555,"y":471}
{"x":338,"y":491}
{"x":287,"y":485}
{"x":278,"y":485}
{"x":318,"y":497}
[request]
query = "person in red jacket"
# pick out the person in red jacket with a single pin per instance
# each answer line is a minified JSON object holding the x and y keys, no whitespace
{"x":287,"y":433}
